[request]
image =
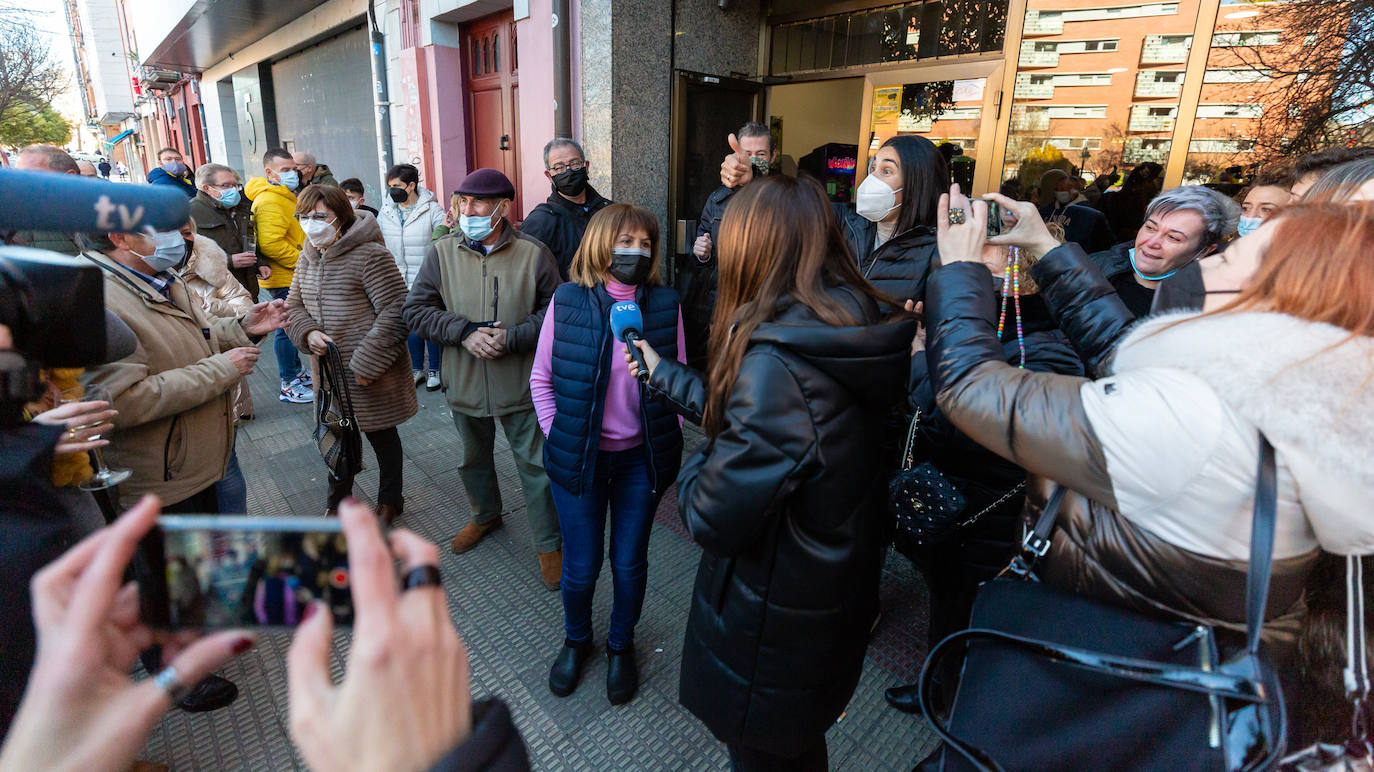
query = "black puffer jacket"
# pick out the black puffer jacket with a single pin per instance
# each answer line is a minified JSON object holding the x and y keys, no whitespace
{"x":1083,"y":303}
{"x":901,"y":266}
{"x":787,"y":502}
{"x":560,"y":224}
{"x":494,"y":745}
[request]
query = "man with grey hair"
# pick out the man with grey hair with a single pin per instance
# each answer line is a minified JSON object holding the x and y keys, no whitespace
{"x":224,"y":216}
{"x":312,"y":173}
{"x":561,"y":221}
{"x":46,"y":158}
{"x":1181,"y":225}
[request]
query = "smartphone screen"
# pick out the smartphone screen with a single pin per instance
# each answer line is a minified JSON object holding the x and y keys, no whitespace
{"x":206,"y":572}
{"x":994,"y":219}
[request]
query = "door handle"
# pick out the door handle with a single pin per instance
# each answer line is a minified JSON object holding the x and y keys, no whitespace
{"x":505,"y":142}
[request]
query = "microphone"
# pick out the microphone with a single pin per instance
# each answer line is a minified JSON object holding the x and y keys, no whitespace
{"x":626,"y":322}
{"x":47,"y":201}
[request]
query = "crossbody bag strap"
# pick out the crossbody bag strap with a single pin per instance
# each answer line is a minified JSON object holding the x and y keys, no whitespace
{"x":1206,"y":682}
{"x":1037,"y":540}
{"x":1262,"y":529}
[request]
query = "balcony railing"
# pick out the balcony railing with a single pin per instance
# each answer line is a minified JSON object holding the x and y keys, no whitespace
{"x":1035,"y":25}
{"x":1025,"y":89}
{"x":1143,"y":121}
{"x":1140,"y":155}
{"x":1032,"y":58}
{"x":1030,"y":120}
{"x":1147,"y":86}
{"x":1156,"y":51}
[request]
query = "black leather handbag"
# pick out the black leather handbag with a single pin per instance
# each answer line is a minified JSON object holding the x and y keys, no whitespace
{"x":336,"y":427}
{"x":1053,"y":680}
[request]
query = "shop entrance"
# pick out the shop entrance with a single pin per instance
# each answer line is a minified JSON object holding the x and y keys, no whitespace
{"x":493,"y":83}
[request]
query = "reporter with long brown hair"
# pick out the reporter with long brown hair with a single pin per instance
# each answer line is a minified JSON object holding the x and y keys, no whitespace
{"x":787,"y":498}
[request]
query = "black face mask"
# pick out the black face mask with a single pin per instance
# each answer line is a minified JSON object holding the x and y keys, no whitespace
{"x":187,"y":256}
{"x":398,"y":195}
{"x":630,"y":266}
{"x":1183,"y":291}
{"x":571,"y":182}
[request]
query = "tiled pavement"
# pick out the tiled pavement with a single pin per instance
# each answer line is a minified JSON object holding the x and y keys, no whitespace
{"x":513,"y":626}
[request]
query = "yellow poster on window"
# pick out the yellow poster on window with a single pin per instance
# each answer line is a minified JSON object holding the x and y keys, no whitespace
{"x":887,"y":105}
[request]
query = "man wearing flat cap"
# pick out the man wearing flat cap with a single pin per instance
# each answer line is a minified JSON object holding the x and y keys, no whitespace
{"x":482,"y":294}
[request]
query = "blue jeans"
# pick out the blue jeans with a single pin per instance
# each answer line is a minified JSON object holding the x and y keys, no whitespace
{"x":232,"y":489}
{"x":288,"y":359}
{"x":622,"y":481}
{"x":418,"y":347}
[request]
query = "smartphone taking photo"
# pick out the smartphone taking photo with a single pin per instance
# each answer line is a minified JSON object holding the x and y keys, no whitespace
{"x":204,"y":572}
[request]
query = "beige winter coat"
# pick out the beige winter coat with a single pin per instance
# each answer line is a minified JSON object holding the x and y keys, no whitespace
{"x":207,"y":274}
{"x":353,"y":293}
{"x":174,"y":394}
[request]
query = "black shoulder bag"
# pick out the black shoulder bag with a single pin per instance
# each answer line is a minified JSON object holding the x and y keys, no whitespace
{"x":336,"y":428}
{"x":1054,"y":680}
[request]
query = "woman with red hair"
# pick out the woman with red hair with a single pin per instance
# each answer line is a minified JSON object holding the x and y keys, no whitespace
{"x":1159,"y":456}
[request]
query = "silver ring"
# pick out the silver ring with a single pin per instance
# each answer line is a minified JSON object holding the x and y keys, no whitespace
{"x":168,"y":681}
{"x":956,"y":216}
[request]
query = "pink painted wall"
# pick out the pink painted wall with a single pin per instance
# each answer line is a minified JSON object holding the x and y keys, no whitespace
{"x":535,"y":41}
{"x":448,"y":139}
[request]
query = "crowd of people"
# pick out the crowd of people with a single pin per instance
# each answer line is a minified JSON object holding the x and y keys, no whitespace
{"x":1120,"y":354}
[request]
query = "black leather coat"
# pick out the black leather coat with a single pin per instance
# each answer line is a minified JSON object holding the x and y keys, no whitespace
{"x":901,"y":266}
{"x":788,"y":503}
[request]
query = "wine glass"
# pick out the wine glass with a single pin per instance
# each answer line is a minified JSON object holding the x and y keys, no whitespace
{"x":104,"y":476}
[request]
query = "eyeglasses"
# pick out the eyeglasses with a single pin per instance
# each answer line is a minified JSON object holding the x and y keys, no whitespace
{"x":226,"y":186}
{"x":572,"y":166}
{"x":317,"y":217}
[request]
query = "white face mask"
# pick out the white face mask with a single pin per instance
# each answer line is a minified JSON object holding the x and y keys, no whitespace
{"x":321,"y":234}
{"x":874,"y":200}
{"x":1064,"y":196}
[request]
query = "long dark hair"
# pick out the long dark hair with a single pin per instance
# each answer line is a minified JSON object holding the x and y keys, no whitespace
{"x":925,"y":175}
{"x":778,"y":238}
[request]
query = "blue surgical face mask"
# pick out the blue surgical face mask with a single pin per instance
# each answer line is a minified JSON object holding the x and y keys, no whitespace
{"x":477,"y":227}
{"x":290,"y":179}
{"x":230,"y":198}
{"x":169,"y":251}
{"x":1248,"y":225}
{"x":174,"y":168}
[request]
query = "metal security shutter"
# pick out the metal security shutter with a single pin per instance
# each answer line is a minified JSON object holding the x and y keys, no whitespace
{"x":323,"y":97}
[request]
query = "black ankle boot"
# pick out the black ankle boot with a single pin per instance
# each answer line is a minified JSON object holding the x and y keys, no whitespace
{"x":567,"y":668}
{"x":622,"y":675}
{"x":904,"y":698}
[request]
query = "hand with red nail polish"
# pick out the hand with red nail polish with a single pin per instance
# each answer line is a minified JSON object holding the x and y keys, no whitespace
{"x":82,"y":710}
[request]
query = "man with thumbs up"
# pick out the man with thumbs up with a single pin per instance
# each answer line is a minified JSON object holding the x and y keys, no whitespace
{"x":754,"y":153}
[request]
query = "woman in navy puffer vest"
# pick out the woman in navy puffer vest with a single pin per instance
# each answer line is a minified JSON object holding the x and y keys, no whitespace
{"x":607,"y":445}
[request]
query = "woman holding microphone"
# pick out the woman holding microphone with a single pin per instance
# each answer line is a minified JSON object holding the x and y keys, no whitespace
{"x":787,"y":499}
{"x":607,"y":444}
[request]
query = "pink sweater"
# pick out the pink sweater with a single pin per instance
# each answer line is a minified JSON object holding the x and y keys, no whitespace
{"x":620,"y":423}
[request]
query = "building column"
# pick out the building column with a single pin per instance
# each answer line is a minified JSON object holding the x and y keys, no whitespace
{"x":626,"y":99}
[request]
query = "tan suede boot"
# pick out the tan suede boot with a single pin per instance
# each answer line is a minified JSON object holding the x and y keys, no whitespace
{"x":471,"y":534}
{"x":551,"y":568}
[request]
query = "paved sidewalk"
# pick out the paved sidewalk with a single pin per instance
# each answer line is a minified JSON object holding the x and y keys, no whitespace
{"x":513,"y":626}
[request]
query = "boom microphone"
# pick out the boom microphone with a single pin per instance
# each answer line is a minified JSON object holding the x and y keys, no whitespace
{"x":46,"y":201}
{"x":626,"y":322}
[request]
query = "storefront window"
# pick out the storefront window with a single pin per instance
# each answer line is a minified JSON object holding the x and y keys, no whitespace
{"x":897,"y":33}
{"x":1097,"y":90}
{"x":948,"y":113}
{"x":1268,"y":90}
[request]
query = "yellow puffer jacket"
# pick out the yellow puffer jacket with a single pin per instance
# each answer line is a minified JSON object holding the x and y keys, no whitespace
{"x":280,"y":238}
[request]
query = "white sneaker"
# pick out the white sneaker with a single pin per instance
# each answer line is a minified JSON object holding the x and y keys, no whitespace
{"x":418,"y":375}
{"x":432,"y":383}
{"x":305,"y":379}
{"x":295,"y":393}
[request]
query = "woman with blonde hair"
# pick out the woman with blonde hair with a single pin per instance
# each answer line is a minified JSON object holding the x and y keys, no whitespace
{"x":787,"y":499}
{"x":607,"y":444}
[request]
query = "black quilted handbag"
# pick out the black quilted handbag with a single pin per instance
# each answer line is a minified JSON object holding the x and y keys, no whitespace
{"x":336,"y":428}
{"x":925,"y":505}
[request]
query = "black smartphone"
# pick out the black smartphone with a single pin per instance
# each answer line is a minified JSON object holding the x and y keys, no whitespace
{"x":994,"y":218}
{"x":206,"y":572}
